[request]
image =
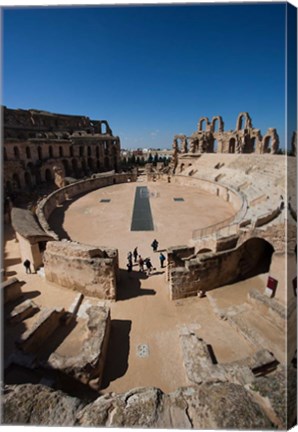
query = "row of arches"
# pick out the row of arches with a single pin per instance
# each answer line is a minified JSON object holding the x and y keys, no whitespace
{"x":216,"y":124}
{"x":45,"y":152}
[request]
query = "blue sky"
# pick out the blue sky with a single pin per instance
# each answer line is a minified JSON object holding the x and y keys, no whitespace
{"x":151,"y":71}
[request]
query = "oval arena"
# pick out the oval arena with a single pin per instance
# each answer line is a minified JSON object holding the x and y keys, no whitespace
{"x":215,"y":316}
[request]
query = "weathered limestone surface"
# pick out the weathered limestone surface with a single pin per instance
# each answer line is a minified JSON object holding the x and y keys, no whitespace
{"x":208,"y":406}
{"x":90,"y":270}
{"x":38,"y":405}
{"x":23,"y":311}
{"x":47,"y":322}
{"x":88,"y":365}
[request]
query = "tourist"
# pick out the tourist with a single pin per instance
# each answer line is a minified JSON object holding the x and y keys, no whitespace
{"x":148,"y":265}
{"x":135,"y":254}
{"x":129,"y":257}
{"x":162,"y":259}
{"x":141,"y":264}
{"x":129,"y":266}
{"x":27,"y":265}
{"x":154,"y":245}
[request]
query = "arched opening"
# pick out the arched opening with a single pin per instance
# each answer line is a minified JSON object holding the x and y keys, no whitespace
{"x":84,"y":166}
{"x":90,"y":163}
{"x":39,"y":152}
{"x":89,"y":151}
{"x":215,"y":146}
{"x":98,"y":165}
{"x":28,"y":153}
{"x":16,"y":152}
{"x":232,"y":145}
{"x":66,"y":167}
{"x":50,"y":152}
{"x":8,"y":187}
{"x":267,"y":144}
{"x":107,"y":163}
{"x":74,"y":164}
{"x":60,"y":151}
{"x":16,"y":181}
{"x":81,"y":150}
{"x":71,"y":151}
{"x":97,"y":152}
{"x":181,"y":167}
{"x":30,"y":167}
{"x":203,"y":124}
{"x":241,"y":122}
{"x":37,"y":176}
{"x":204,"y":250}
{"x":253,"y":144}
{"x":256,"y":254}
{"x":103,"y":128}
{"x":215,"y":124}
{"x":27,"y":178}
{"x":48,"y":175}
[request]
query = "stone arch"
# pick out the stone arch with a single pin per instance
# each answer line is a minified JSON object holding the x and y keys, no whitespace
{"x":48,"y":175}
{"x":204,"y":250}
{"x":27,"y":179}
{"x":232,"y":145}
{"x":60,"y":151}
{"x":81,"y":151}
{"x":201,"y":121}
{"x":89,"y":152}
{"x":90,"y":163}
{"x":215,"y":146}
{"x":37,"y":174}
{"x":267,"y":142}
{"x":39,"y":152}
{"x":220,"y":124}
{"x":243,"y":121}
{"x":51,"y":152}
{"x":74,"y":164}
{"x":28,"y":152}
{"x":8,"y":187}
{"x":71,"y":151}
{"x":66,"y":167}
{"x":16,"y":181}
{"x":16,"y":152}
{"x":107,"y":163}
{"x":255,"y":258}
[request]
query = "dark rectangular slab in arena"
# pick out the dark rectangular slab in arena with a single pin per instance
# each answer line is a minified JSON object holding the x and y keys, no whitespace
{"x":142,"y":216}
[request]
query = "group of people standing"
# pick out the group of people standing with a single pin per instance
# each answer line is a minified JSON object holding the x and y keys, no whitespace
{"x":145,"y":265}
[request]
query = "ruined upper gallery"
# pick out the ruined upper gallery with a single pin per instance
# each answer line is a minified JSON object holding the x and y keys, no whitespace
{"x":36,"y":141}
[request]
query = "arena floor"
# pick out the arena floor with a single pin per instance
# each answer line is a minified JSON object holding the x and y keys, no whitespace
{"x":144,"y":348}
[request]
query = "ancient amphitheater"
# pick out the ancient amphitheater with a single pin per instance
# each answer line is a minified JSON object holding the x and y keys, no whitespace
{"x":207,"y":342}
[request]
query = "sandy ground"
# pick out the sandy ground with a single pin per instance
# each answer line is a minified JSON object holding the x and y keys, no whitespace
{"x":143,"y":314}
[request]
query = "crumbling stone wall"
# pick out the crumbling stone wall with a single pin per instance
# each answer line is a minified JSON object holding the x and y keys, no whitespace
{"x":87,"y":269}
{"x":36,"y":141}
{"x":206,"y":271}
{"x":210,"y":137}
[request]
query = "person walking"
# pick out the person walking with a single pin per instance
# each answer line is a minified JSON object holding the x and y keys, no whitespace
{"x":135,"y":254}
{"x":129,"y":266}
{"x":162,"y":259}
{"x":129,"y":258}
{"x":141,"y":264}
{"x":27,"y":265}
{"x":149,"y":266}
{"x":154,"y":245}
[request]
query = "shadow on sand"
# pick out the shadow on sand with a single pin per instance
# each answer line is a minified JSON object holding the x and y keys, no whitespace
{"x":117,"y":356}
{"x":130,"y":285}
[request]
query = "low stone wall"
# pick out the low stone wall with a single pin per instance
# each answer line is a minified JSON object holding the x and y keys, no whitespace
{"x":88,"y":366}
{"x":211,"y":270}
{"x":87,"y":269}
{"x":58,"y":197}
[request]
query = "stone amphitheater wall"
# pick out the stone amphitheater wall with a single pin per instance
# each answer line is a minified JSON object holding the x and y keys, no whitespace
{"x":58,"y":197}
